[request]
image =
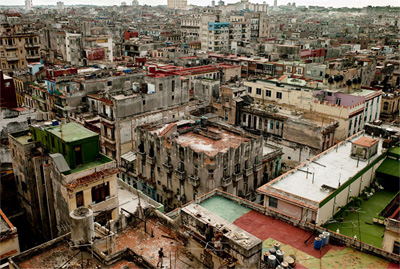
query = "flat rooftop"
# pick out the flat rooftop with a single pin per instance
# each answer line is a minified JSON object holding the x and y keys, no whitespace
{"x":294,"y":240}
{"x":211,"y":147}
{"x":71,"y":132}
{"x":144,"y":244}
{"x":332,"y":168}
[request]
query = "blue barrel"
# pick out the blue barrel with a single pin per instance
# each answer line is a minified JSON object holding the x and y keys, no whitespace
{"x":323,"y":238}
{"x":317,"y":243}
{"x":265,"y":256}
{"x":272,"y":251}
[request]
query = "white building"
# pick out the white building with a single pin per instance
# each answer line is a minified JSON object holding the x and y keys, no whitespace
{"x":60,"y":5}
{"x":316,"y":189}
{"x":177,"y":4}
{"x":28,"y":5}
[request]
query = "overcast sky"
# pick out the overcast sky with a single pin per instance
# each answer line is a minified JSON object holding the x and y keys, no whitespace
{"x":337,"y":3}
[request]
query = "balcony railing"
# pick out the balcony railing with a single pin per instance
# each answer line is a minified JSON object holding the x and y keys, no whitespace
{"x":167,"y":167}
{"x":32,"y":57}
{"x":12,"y":58}
{"x":194,"y":180}
{"x":32,"y":45}
{"x":151,"y":160}
{"x":257,"y":167}
{"x":237,"y":176}
{"x":10,"y":47}
{"x":248,"y":171}
{"x":180,"y":174}
{"x":225,"y":182}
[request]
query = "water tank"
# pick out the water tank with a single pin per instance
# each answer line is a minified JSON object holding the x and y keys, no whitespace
{"x":279,"y":255}
{"x":327,"y":234}
{"x":271,"y":261}
{"x":82,"y":225}
{"x":323,"y":238}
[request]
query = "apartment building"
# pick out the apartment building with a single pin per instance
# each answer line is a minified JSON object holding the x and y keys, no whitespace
{"x":318,"y":195}
{"x":58,"y":168}
{"x":351,"y":108}
{"x":18,"y":47}
{"x":179,"y":161}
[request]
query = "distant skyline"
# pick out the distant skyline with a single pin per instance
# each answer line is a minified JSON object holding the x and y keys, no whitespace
{"x":336,"y":4}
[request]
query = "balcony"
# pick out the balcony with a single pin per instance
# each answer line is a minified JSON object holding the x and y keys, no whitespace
{"x":12,"y":58}
{"x":32,"y":57}
{"x":180,"y":174}
{"x":225,"y":182}
{"x":169,"y":193}
{"x":151,"y":183}
{"x":237,"y":176}
{"x":108,"y":139}
{"x":257,"y":167}
{"x":151,"y":160}
{"x":10,"y":47}
{"x":248,"y":171}
{"x":167,"y":167}
{"x":106,"y":119}
{"x":141,"y":154}
{"x":32,"y":45}
{"x":194,"y":180}
{"x":142,"y":179}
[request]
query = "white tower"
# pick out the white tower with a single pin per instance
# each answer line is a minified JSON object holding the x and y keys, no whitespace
{"x":28,"y":5}
{"x":275,"y":4}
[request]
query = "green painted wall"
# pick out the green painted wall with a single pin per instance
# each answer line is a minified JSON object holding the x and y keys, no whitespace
{"x":90,"y":146}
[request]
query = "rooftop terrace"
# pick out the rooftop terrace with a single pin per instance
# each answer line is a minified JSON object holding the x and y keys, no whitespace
{"x":294,"y":240}
{"x":211,"y":147}
{"x":147,"y":246}
{"x":332,"y":168}
{"x":71,"y":132}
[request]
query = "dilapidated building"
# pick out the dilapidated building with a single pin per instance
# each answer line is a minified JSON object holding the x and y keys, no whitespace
{"x":178,"y":161}
{"x":59,"y":168}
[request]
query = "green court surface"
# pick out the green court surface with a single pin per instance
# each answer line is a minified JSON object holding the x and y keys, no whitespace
{"x":225,"y":208}
{"x":370,"y":233}
{"x":335,"y":258}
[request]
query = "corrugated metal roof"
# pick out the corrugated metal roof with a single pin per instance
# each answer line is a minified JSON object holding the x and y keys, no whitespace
{"x":130,"y":156}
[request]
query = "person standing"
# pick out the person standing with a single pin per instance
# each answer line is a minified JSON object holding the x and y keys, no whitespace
{"x":160,"y":257}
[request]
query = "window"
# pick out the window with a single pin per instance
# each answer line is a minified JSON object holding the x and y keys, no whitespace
{"x":271,"y":125}
{"x":109,"y":83}
{"x":160,"y":87}
{"x":144,"y":102}
{"x":277,"y":125}
{"x":396,"y":247}
{"x":268,"y":93}
{"x":100,"y":192}
{"x":173,"y":97}
{"x":249,"y":89}
{"x":79,"y":198}
{"x":173,"y":85}
{"x":258,"y":91}
{"x":279,"y":95}
{"x":273,"y":202}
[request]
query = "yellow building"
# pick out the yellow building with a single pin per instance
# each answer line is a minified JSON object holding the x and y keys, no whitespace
{"x":17,"y":48}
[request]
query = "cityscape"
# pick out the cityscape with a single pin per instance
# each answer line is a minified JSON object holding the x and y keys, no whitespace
{"x":191,"y":134}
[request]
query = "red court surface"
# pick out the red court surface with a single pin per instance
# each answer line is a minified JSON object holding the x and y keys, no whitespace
{"x":265,"y":227}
